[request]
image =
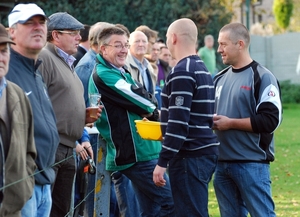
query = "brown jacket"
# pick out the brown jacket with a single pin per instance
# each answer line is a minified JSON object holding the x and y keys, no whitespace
{"x":66,"y":93}
{"x":20,"y":159}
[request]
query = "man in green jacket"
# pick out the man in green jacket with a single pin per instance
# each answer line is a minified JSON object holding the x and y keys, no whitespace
{"x":124,"y":101}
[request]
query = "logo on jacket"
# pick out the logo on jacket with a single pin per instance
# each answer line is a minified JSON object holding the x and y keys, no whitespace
{"x":245,"y":87}
{"x":28,"y":93}
{"x":179,"y":100}
{"x":271,"y":93}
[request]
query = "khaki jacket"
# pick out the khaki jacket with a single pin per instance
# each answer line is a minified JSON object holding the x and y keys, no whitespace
{"x":20,"y":160}
{"x":132,"y":67}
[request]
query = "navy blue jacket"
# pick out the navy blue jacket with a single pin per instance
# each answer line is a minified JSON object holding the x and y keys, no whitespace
{"x":23,"y":71}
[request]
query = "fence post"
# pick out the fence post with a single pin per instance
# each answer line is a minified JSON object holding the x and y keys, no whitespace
{"x":103,"y":181}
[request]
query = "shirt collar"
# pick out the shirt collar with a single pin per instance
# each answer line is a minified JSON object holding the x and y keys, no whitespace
{"x":144,"y":64}
{"x":68,"y":58}
{"x":120,"y":69}
{"x":3,"y":84}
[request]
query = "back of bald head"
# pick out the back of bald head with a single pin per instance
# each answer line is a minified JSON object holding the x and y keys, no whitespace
{"x":185,"y":29}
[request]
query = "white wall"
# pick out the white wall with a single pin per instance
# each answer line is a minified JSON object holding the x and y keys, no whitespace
{"x":279,"y":53}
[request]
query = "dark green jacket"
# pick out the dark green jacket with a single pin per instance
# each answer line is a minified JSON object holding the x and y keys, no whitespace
{"x":124,"y":101}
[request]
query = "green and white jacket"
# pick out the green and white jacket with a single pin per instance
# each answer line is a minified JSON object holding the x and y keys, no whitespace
{"x":124,"y":101}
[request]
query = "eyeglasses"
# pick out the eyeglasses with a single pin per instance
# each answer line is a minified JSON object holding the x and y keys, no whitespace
{"x":119,"y":46}
{"x":72,"y":33}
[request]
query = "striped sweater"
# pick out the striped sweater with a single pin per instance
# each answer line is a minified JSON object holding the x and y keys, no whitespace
{"x":187,"y":110}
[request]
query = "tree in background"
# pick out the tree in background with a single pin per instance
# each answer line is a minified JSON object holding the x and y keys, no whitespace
{"x":295,"y":19}
{"x":282,"y":10}
{"x":209,"y":15}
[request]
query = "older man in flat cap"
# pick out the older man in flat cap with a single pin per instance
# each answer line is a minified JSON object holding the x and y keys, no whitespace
{"x":28,"y":30}
{"x":17,"y":148}
{"x":66,"y":94}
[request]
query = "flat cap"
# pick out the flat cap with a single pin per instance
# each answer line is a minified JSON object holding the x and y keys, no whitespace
{"x":63,"y":20}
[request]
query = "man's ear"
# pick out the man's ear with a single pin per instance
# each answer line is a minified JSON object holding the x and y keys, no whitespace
{"x":174,"y":38}
{"x":12,"y":32}
{"x":55,"y":35}
{"x":241,"y":44}
{"x":102,"y":49}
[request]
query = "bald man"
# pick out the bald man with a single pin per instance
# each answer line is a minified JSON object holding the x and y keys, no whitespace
{"x":136,"y":63}
{"x":190,"y":147}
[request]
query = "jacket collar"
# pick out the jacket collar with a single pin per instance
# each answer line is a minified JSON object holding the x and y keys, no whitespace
{"x":29,"y":63}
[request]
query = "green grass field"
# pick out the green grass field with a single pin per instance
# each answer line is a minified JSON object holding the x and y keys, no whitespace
{"x":284,"y":170}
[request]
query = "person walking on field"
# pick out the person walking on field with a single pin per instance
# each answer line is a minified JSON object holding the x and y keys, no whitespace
{"x":248,"y":110}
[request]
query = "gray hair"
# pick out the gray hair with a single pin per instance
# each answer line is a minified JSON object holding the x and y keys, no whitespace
{"x":95,"y":30}
{"x":106,"y":34}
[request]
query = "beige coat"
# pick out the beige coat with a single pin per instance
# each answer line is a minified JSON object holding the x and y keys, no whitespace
{"x":132,"y":67}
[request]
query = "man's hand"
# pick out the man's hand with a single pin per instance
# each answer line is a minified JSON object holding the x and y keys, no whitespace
{"x":221,"y":122}
{"x":158,"y":176}
{"x":225,"y":123}
{"x":88,"y":147}
{"x":84,"y":150}
{"x":88,"y":118}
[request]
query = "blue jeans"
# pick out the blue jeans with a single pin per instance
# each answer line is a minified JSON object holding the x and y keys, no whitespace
{"x":39,"y":205}
{"x":189,"y":178}
{"x":243,"y":187}
{"x":126,"y":199}
{"x":153,"y":201}
{"x":113,"y":204}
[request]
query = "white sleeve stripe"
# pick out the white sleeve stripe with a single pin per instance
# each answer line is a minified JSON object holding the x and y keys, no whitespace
{"x":201,"y":115}
{"x":180,"y":77}
{"x":204,"y":101}
{"x":179,"y":107}
{"x":170,"y":149}
{"x":178,"y":122}
{"x":188,"y":64}
{"x":205,"y":86}
{"x":175,"y":135}
{"x":125,"y":87}
{"x":180,"y":93}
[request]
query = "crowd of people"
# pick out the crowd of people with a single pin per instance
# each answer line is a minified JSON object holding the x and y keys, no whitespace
{"x":219,"y":124}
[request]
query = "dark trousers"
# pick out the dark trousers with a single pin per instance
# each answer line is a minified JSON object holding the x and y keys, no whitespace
{"x":62,"y":187}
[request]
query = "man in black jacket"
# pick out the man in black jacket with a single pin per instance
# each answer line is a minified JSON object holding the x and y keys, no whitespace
{"x":28,"y":30}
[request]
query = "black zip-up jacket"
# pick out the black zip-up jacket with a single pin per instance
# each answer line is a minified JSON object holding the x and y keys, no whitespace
{"x":23,"y":71}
